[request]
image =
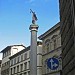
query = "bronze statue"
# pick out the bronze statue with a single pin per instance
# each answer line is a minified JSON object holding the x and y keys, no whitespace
{"x":34,"y":18}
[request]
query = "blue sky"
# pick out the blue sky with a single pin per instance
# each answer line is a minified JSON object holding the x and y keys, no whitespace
{"x":15,"y":19}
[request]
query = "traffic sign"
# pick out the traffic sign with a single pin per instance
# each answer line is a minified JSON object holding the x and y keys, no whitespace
{"x":53,"y":63}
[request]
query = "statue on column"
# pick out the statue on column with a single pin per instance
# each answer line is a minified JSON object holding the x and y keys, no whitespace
{"x":34,"y":17}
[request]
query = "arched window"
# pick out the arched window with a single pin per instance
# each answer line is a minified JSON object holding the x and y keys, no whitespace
{"x":47,"y":45}
{"x":54,"y":39}
{"x":54,"y":43}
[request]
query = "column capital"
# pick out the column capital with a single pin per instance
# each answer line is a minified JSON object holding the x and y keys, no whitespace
{"x":33,"y":27}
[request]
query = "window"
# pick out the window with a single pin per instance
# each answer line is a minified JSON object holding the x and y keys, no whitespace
{"x":18,"y":59}
{"x":25,"y":65}
{"x":47,"y":42}
{"x":50,"y":45}
{"x":11,"y":70}
{"x":9,"y":52}
{"x":14,"y":69}
{"x":14,"y":60}
{"x":25,"y":73}
{"x":29,"y":64}
{"x":28,"y":72}
{"x":54,"y":43}
{"x":54,"y":37}
{"x":18,"y":68}
{"x":21,"y":69}
{"x":25,"y":56}
{"x":47,"y":47}
{"x":22,"y":57}
{"x":6,"y":53}
{"x":11,"y":62}
{"x":3,"y":55}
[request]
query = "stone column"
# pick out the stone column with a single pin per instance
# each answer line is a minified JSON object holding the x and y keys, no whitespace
{"x":33,"y":48}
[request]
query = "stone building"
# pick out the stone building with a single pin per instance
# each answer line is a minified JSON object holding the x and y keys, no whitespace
{"x":20,"y":62}
{"x":67,"y":22}
{"x":7,"y":52}
{"x":51,"y":48}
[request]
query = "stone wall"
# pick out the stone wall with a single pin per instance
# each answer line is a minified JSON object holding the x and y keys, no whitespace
{"x":67,"y":36}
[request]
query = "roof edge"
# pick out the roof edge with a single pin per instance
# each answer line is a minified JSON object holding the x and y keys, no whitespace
{"x":49,"y":31}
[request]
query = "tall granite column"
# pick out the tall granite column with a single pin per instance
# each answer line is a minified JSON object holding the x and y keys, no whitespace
{"x":33,"y":48}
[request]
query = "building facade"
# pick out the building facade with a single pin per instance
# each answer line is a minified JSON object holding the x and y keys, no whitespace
{"x":67,"y":21}
{"x":7,"y":52}
{"x":51,"y":49}
{"x":20,"y":62}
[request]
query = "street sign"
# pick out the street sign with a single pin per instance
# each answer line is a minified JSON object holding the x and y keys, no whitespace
{"x":53,"y":63}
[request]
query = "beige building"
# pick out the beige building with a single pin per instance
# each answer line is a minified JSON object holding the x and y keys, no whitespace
{"x":20,"y":62}
{"x":51,"y":48}
{"x":7,"y":52}
{"x":16,"y":58}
